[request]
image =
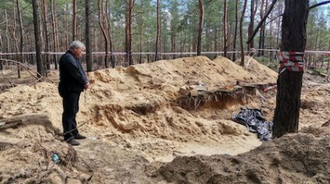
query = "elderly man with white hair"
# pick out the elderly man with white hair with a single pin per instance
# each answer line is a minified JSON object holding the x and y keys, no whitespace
{"x":73,"y":81}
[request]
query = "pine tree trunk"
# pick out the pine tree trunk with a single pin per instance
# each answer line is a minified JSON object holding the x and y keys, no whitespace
{"x":158,"y":30}
{"x":215,"y":39}
{"x":21,"y":31}
{"x":173,"y":43}
{"x":271,"y":44}
{"x":1,"y":50}
{"x":241,"y":33}
{"x":95,"y":40}
{"x":278,"y":26}
{"x":37,"y":34}
{"x":235,"y":31}
{"x":89,"y":64}
{"x":14,"y":31}
{"x":263,"y":27}
{"x":200,"y":32}
{"x":207,"y":38}
{"x":8,"y":46}
{"x":66,"y":23}
{"x":314,"y":60}
{"x":225,"y":28}
{"x":108,"y":18}
{"x":128,"y":37}
{"x":16,"y":43}
{"x":328,"y":60}
{"x":286,"y":118}
{"x":173,"y":39}
{"x":141,"y":27}
{"x":74,"y":20}
{"x":55,"y":36}
{"x":262,"y":11}
{"x":45,"y":18}
{"x":102,"y":23}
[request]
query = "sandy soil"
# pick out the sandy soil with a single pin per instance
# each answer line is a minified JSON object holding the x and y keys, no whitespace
{"x":140,"y":129}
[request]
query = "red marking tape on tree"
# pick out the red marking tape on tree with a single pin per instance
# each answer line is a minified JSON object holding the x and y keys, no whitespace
{"x":292,"y":61}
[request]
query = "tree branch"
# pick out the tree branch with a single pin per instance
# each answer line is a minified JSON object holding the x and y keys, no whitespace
{"x":262,"y":21}
{"x":319,"y":4}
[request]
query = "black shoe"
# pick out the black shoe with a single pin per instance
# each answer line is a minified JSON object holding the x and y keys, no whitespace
{"x":79,"y":136}
{"x":73,"y":142}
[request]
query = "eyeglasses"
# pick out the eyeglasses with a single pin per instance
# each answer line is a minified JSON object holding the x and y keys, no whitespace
{"x":82,"y":50}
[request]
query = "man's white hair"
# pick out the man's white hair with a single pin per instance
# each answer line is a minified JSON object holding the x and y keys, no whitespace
{"x":77,"y":45}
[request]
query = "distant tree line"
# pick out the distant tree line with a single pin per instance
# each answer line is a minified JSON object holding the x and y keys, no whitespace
{"x":159,"y":26}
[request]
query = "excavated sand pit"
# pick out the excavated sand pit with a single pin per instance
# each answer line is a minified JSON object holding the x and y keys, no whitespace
{"x":137,"y":122}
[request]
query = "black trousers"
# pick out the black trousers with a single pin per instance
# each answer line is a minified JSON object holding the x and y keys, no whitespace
{"x":70,"y":109}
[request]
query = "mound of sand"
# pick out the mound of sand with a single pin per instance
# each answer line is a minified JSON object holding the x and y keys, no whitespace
{"x":262,"y":73}
{"x":133,"y":122}
{"x":139,"y":100}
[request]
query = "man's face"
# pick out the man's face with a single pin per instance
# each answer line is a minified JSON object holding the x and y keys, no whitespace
{"x":78,"y":52}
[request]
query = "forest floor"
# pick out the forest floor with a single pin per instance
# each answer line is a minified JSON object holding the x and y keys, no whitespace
{"x":140,"y":129}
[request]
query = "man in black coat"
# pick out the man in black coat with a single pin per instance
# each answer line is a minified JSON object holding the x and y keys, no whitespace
{"x":73,"y":81}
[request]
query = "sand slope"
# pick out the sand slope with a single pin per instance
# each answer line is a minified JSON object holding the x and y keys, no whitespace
{"x":135,"y":125}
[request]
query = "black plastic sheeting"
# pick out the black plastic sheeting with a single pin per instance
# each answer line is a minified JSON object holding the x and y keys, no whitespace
{"x":255,"y":122}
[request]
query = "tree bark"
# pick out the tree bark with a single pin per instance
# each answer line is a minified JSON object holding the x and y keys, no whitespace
{"x":37,"y":34}
{"x":261,"y":33}
{"x":215,"y":39}
{"x":225,"y":28}
{"x":14,"y":31}
{"x":1,"y":50}
{"x":89,"y":64}
{"x":140,"y":28}
{"x":8,"y":46}
{"x":95,"y":40}
{"x":241,"y":33}
{"x":128,"y":38}
{"x":271,"y":30}
{"x":316,"y":41}
{"x":1,"y":42}
{"x":235,"y":31}
{"x":279,"y":27}
{"x":21,"y":31}
{"x":174,"y":27}
{"x":251,"y":24}
{"x":16,"y":42}
{"x":158,"y":30}
{"x":66,"y":23}
{"x":263,"y":27}
{"x":74,"y":20}
{"x":328,"y":60}
{"x":108,"y":18}
{"x":55,"y":33}
{"x":286,"y":118}
{"x":45,"y":17}
{"x":207,"y":38}
{"x":200,"y":31}
{"x":102,"y":23}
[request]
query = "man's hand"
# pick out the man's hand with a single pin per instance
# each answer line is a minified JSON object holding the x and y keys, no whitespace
{"x":86,"y":86}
